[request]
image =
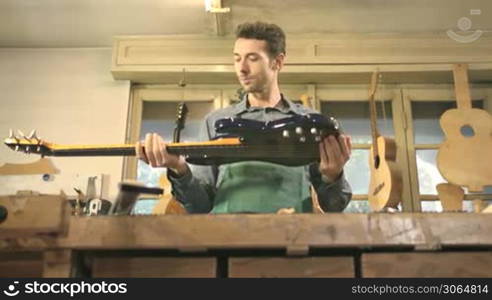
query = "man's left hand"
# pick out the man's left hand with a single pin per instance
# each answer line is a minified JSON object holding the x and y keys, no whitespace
{"x":334,"y":154}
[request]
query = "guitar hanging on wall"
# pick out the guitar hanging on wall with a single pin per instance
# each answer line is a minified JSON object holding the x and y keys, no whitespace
{"x":174,"y":207}
{"x":290,"y":141}
{"x":385,"y":186}
{"x":464,"y":158}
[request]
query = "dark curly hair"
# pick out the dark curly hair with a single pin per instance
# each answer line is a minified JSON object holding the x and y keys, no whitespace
{"x":271,"y":33}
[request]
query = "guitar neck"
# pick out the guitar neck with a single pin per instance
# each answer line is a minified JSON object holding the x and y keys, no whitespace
{"x":461,"y":86}
{"x":94,"y":150}
{"x":189,"y":148}
{"x":226,"y":150}
{"x":372,"y":108}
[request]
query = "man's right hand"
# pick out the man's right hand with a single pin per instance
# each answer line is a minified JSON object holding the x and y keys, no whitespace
{"x":153,"y":151}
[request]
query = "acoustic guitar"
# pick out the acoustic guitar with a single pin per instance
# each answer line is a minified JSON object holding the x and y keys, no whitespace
{"x":464,"y":158}
{"x":385,"y":186}
{"x":290,"y":141}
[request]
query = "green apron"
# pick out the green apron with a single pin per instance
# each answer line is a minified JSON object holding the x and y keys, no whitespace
{"x":261,"y":187}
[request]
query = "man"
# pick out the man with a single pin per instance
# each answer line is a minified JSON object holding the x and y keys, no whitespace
{"x":252,"y":186}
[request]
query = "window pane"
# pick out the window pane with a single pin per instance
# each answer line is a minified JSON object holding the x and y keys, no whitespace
{"x":160,"y":117}
{"x":426,"y":115}
{"x":428,"y":173}
{"x":358,"y":206}
{"x":357,"y":171}
{"x":148,"y":175}
{"x":144,"y":206}
{"x":435,"y":206}
{"x":431,"y":206}
{"x":354,"y":118}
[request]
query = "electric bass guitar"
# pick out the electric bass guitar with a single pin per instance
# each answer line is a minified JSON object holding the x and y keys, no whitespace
{"x":291,"y":141}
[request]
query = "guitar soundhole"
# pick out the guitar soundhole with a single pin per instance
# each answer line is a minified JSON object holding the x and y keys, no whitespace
{"x":467,"y":131}
{"x":376,"y":161}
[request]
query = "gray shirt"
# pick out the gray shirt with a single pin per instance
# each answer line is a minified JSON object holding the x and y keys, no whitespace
{"x":196,"y":189}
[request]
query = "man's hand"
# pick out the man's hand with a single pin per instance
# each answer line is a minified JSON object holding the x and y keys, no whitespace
{"x":153,"y":151}
{"x":334,"y":154}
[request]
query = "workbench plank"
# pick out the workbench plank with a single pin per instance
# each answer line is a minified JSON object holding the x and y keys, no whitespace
{"x":264,"y":231}
{"x":161,"y":267}
{"x":291,"y":267}
{"x":431,"y":264}
{"x":279,"y":231}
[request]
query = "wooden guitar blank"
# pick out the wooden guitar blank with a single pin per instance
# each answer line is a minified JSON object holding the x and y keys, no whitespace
{"x":167,"y":204}
{"x":466,"y":160}
{"x":487,"y":210}
{"x":479,"y":205}
{"x":42,"y":166}
{"x":451,"y":196}
{"x":175,"y":208}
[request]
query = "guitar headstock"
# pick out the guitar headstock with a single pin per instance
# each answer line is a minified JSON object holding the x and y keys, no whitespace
{"x":181,"y":115}
{"x":374,"y":84}
{"x":28,"y":144}
{"x":305,"y":100}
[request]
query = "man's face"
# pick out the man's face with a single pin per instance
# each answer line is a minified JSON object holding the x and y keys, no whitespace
{"x":255,"y":70}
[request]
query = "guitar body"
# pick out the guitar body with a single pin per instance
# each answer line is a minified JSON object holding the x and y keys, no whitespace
{"x":291,"y":141}
{"x":385,"y":186}
{"x":257,"y":132}
{"x":466,"y":160}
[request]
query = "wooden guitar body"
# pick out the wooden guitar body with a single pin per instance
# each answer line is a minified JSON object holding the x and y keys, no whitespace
{"x":386,"y":183}
{"x":466,"y":160}
{"x":465,"y":156}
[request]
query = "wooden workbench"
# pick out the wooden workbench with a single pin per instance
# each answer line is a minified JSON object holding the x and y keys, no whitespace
{"x":300,"y":245}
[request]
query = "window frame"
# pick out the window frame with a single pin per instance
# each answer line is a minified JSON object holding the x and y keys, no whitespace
{"x":161,"y":93}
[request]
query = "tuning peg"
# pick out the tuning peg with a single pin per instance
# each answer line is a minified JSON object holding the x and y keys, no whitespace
{"x":17,"y":148}
{"x":299,"y":130}
{"x":28,"y":149}
{"x":314,"y":131}
{"x":317,"y":138}
{"x":302,"y":139}
{"x":21,"y":134}
{"x":285,"y":133}
{"x":32,"y":135}
{"x":11,"y":134}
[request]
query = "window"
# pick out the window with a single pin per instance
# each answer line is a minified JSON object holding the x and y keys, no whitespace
{"x":160,"y":117}
{"x":154,"y":109}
